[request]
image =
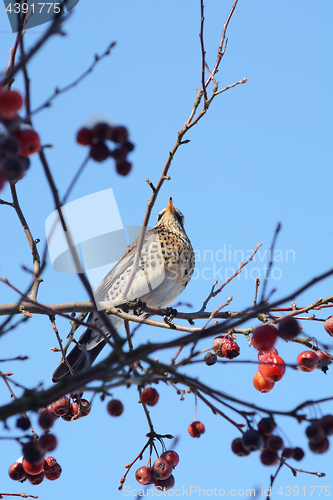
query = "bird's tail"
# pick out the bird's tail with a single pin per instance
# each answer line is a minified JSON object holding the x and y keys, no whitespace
{"x":79,"y":358}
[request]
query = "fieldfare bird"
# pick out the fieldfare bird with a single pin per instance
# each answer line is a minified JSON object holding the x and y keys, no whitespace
{"x":166,"y":266}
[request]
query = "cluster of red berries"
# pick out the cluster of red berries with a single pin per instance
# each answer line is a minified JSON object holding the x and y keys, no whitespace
{"x":224,"y":346}
{"x":271,"y":366}
{"x":264,"y":441}
{"x":95,"y":138}
{"x":160,"y":474}
{"x":18,"y":144}
{"x":65,"y":409}
{"x":317,"y":433}
{"x":33,"y":465}
{"x":35,"y":472}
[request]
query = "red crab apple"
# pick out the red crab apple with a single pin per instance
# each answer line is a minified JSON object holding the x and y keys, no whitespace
{"x":30,"y":141}
{"x":32,"y":468}
{"x":171,"y":456}
{"x":269,"y":457}
{"x":238,"y":448}
{"x":162,"y":469}
{"x":196,"y":428}
{"x":36,"y":479}
{"x":115,"y":407}
{"x":61,"y":406}
{"x":10,"y":102}
{"x":261,"y":384}
{"x":46,"y":443}
{"x":272,"y":368}
{"x":84,"y":136}
{"x":17,"y":472}
{"x":307,"y":361}
{"x":149,"y":396}
{"x":288,"y":328}
{"x":252,"y":440}
{"x":264,"y":337}
{"x":328,"y":325}
{"x":144,"y":475}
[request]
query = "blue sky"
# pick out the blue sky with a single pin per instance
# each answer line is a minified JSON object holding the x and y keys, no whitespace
{"x":262,"y":154}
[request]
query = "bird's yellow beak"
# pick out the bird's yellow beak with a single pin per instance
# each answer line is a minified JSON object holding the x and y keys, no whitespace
{"x":170,"y":206}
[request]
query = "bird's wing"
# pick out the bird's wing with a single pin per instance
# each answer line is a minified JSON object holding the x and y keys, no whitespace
{"x":149,"y":275}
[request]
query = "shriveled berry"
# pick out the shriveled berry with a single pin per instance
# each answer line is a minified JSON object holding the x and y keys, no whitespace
{"x":149,"y":396}
{"x":144,"y":475}
{"x":238,"y":448}
{"x":50,"y":464}
{"x":252,"y":440}
{"x":30,"y":142}
{"x":115,"y":407}
{"x":229,"y":348}
{"x":288,"y":328}
{"x":210,"y":358}
{"x":99,"y":152}
{"x":195,"y":429}
{"x":123,"y":167}
{"x":52,"y":469}
{"x":84,"y":136}
{"x":17,"y":472}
